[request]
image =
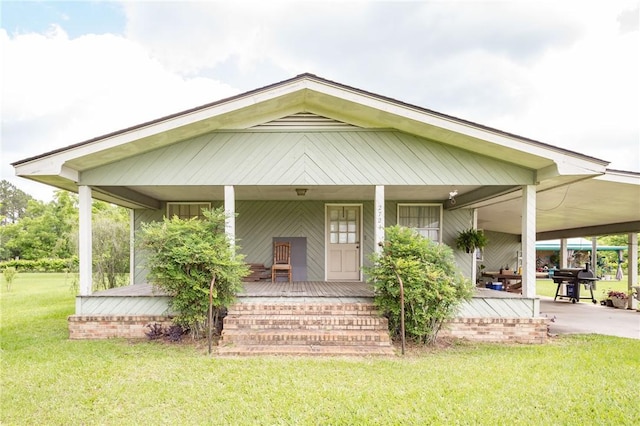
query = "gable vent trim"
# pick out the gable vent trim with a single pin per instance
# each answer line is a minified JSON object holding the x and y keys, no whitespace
{"x":305,"y":120}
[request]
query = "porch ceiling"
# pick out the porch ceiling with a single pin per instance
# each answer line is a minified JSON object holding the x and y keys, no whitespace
{"x":284,"y":193}
{"x":608,"y":204}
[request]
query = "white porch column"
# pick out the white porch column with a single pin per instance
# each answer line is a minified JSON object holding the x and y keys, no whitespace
{"x":85,"y":254}
{"x":632,"y":264}
{"x":230,"y":212}
{"x":564,"y":253}
{"x":594,"y":255}
{"x":132,"y":243}
{"x":529,"y":241}
{"x":474,"y":258}
{"x":379,"y":218}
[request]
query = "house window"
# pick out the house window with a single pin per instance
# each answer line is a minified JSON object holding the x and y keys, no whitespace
{"x":186,"y":210}
{"x":426,"y":219}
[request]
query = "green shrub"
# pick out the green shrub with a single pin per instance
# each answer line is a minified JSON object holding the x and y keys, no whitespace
{"x":433,"y":288}
{"x":42,"y":265}
{"x":184,"y":256}
{"x":9,"y":275}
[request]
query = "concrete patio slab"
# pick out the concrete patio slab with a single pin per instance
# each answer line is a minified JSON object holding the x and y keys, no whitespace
{"x":587,"y":318}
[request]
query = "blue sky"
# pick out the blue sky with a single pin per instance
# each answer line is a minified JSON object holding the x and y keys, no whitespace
{"x":77,"y":17}
{"x":564,"y":73}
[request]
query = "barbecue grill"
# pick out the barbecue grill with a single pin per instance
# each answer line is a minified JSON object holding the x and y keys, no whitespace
{"x":572,"y":278}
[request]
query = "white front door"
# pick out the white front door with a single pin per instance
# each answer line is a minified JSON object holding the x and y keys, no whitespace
{"x":343,"y":242}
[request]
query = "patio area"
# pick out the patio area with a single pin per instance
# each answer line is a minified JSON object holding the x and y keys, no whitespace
{"x":587,"y":318}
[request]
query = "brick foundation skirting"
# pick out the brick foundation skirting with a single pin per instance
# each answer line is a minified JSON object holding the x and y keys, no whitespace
{"x":498,"y":330}
{"x":109,"y":326}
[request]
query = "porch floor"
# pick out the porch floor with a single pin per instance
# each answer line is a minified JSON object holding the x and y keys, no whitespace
{"x":339,"y":289}
{"x":311,"y":289}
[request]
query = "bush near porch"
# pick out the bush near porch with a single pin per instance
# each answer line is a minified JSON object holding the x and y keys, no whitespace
{"x":48,"y":379}
{"x":433,"y":289}
{"x":184,"y":256}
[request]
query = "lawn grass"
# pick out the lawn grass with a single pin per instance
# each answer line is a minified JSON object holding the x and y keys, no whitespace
{"x":547,"y":287}
{"x":48,"y":379}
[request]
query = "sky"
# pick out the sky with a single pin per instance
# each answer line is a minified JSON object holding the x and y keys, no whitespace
{"x":561,"y":72}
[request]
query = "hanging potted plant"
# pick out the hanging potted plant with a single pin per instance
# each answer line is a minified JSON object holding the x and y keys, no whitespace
{"x":471,"y":239}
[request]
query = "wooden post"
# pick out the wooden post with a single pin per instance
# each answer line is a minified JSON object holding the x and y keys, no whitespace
{"x":230,"y":213}
{"x":132,"y":245}
{"x":210,"y":337}
{"x":474,"y":260}
{"x":379,"y":218}
{"x":564,"y":254}
{"x":594,"y":256}
{"x":632,"y":265}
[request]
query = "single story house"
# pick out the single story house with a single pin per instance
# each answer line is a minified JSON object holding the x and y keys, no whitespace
{"x":327,"y":166}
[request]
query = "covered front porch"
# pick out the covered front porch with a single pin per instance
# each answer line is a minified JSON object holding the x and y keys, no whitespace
{"x":490,"y":315}
{"x":145,"y":299}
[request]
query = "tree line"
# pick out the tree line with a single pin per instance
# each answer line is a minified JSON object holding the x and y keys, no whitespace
{"x":37,"y":235}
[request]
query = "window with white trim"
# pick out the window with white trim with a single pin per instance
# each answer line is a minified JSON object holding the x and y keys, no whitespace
{"x":426,"y":219}
{"x":186,"y":210}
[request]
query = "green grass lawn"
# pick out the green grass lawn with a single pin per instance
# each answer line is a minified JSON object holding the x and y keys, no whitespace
{"x":48,"y":379}
{"x":547,"y":287}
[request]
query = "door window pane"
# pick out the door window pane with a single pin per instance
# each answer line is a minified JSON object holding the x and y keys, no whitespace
{"x":343,"y":225}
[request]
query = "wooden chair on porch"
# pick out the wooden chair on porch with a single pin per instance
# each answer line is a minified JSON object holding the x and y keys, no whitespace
{"x":281,"y":261}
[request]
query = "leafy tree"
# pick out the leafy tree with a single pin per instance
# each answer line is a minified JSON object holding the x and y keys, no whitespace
{"x":44,"y":231}
{"x":50,"y":231}
{"x":111,"y":242}
{"x":610,"y":258}
{"x":433,"y":288}
{"x":13,"y":202}
{"x":183,"y":258}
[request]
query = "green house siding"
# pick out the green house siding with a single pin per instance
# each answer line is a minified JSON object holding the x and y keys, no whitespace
{"x":259,"y":222}
{"x":502,"y":251}
{"x":358,"y":157}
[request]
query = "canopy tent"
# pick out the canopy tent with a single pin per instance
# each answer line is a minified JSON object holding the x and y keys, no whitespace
{"x":575,"y":244}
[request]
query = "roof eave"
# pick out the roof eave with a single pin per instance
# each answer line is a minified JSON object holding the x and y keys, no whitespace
{"x":307,"y":91}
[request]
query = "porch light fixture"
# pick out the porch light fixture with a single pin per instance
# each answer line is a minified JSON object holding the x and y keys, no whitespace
{"x":301,"y":192}
{"x":452,"y":196}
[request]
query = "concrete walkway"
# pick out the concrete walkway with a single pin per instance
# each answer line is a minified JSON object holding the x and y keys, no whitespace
{"x":587,"y":318}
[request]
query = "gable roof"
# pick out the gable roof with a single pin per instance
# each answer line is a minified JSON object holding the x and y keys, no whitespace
{"x":310,"y":95}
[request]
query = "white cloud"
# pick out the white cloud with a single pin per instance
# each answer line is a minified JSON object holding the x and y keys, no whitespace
{"x":58,"y":91}
{"x":564,"y":73}
{"x":586,"y":96}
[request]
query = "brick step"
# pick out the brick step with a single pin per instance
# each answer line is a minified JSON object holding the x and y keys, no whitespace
{"x":303,"y":309}
{"x":305,"y":337}
{"x":305,"y":322}
{"x":305,"y":350}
